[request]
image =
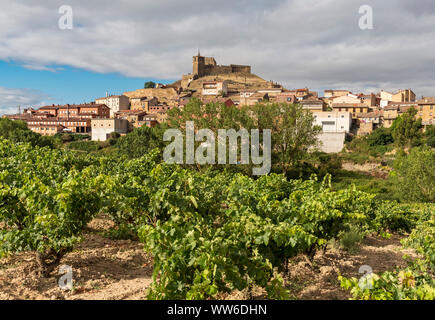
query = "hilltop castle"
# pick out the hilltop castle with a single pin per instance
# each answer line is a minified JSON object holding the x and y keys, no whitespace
{"x":207,"y":66}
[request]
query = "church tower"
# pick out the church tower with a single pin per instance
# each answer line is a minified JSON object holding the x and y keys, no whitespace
{"x":198,"y":65}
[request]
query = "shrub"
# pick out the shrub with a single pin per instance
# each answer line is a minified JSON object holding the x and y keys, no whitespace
{"x":88,"y":146}
{"x":415,"y":175}
{"x":350,"y":240}
{"x":380,"y":137}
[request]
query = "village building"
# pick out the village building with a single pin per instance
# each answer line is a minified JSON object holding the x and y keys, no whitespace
{"x":102,"y":128}
{"x":354,"y":108}
{"x":335,"y":126}
{"x":368,"y":122}
{"x":46,"y":129}
{"x":115,"y":103}
{"x":132,"y":116}
{"x":302,"y":94}
{"x":426,"y":110}
{"x":368,"y":99}
{"x":252,"y":98}
{"x":149,"y":120}
{"x":143,"y":103}
{"x":333,"y":121}
{"x":394,"y":110}
{"x":214,"y":88}
{"x":313,"y":104}
{"x":336,"y":93}
{"x":83,"y":111}
{"x":70,"y":125}
{"x":400,"y":96}
{"x":350,"y":99}
{"x":226,"y":101}
{"x":159,"y":108}
{"x":286,"y":97}
{"x":271,"y":92}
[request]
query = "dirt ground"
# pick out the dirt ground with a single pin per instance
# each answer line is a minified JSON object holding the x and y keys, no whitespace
{"x":105,"y":269}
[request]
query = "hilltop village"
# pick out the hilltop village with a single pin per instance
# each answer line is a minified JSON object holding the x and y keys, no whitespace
{"x":338,"y":112}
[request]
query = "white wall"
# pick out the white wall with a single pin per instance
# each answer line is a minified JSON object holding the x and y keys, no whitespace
{"x":332,"y":142}
{"x":333,"y":121}
{"x":101,"y":134}
{"x":102,"y":128}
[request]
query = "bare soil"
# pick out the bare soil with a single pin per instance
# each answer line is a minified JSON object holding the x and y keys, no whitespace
{"x":105,"y":269}
{"x":371,"y":168}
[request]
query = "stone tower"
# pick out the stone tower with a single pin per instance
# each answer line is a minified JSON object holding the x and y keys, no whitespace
{"x":198,"y":65}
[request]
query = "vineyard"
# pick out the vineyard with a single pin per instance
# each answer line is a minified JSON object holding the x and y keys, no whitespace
{"x":209,"y":232}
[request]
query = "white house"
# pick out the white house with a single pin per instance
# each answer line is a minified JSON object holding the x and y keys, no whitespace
{"x":335,"y":125}
{"x":333,"y":121}
{"x":214,"y":88}
{"x":102,"y":128}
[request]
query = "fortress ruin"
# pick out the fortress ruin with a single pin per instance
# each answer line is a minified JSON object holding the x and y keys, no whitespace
{"x":207,"y":66}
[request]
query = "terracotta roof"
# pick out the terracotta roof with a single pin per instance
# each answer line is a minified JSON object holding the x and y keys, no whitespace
{"x":138,"y":112}
{"x":349,"y":105}
{"x":312,"y":99}
{"x":369,"y":115}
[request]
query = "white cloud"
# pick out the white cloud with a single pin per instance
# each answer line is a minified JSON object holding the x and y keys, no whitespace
{"x":11,"y":98}
{"x":295,"y":42}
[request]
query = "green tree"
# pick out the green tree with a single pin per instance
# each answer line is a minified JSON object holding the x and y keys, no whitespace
{"x":139,"y":142}
{"x":17,"y":131}
{"x":406,"y":129}
{"x":293,"y":133}
{"x":149,"y":84}
{"x":380,"y":137}
{"x":430,"y":136}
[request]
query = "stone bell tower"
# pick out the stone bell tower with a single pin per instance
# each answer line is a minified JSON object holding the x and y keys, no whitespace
{"x":198,"y":65}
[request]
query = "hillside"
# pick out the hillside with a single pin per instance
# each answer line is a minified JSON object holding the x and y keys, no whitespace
{"x":236,"y":82}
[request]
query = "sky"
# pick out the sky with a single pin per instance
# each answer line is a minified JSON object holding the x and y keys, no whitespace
{"x":117,"y":46}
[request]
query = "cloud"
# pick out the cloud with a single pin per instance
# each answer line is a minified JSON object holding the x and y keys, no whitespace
{"x":295,"y":42}
{"x":11,"y":98}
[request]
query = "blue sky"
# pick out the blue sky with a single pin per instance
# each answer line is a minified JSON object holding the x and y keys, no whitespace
{"x":64,"y":84}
